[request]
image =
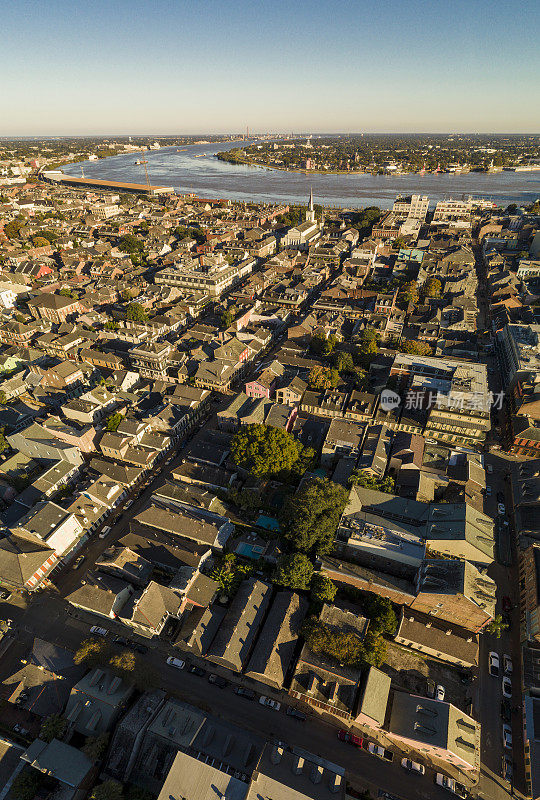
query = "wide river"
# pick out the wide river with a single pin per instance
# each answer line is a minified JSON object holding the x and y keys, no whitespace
{"x":195,"y":169}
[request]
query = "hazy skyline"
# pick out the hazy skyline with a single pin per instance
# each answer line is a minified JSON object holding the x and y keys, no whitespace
{"x":189,"y":67}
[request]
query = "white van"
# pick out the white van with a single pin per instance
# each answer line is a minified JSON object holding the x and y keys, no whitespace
{"x":176,"y":662}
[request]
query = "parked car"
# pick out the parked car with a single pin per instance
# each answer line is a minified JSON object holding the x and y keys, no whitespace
{"x":413,"y":766}
{"x":120,"y":640}
{"x":488,"y":491}
{"x":217,"y":680}
{"x":78,"y":561}
{"x":267,"y":701}
{"x":139,"y":648}
{"x":440,"y":692}
{"x":506,"y":604}
{"x":507,"y":736}
{"x":128,"y":505}
{"x":501,"y":508}
{"x":430,"y":688}
{"x":451,"y":785}
{"x":20,"y":730}
{"x":489,"y":468}
{"x":4,"y":595}
{"x":507,"y":768}
{"x":97,"y":631}
{"x":350,"y":738}
{"x":506,"y":710}
{"x":500,"y":497}
{"x":249,"y":694}
{"x":176,"y":662}
{"x":507,"y":663}
{"x":507,"y":687}
{"x":195,"y":670}
{"x":294,"y":712}
{"x":105,"y":532}
{"x":380,"y":752}
{"x":494,"y":664}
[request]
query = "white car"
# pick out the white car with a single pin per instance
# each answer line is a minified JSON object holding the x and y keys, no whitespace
{"x":494,"y":664}
{"x":176,"y":662}
{"x":413,"y":766}
{"x":501,"y":508}
{"x":451,"y":785}
{"x":507,"y":687}
{"x":97,"y":631}
{"x":439,"y":692}
{"x":105,"y":532}
{"x":507,"y":736}
{"x":489,"y":468}
{"x":508,"y":667}
{"x":267,"y":701}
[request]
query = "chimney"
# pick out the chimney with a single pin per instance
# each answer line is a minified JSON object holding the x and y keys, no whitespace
{"x":335,"y":783}
{"x":277,"y":754}
{"x":316,"y":773}
{"x":298,"y":765}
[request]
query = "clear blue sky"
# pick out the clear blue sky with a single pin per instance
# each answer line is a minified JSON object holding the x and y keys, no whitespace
{"x":173,"y":66}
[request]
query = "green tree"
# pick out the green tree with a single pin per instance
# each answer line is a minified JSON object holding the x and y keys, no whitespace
{"x":368,"y":346}
{"x":226,"y":318}
{"x":65,"y":292}
{"x":108,"y":790}
{"x":322,"y":345}
{"x":40,"y":241}
{"x":52,"y":727}
{"x":374,"y":649}
{"x":3,"y":398}
{"x":113,"y":422}
{"x":322,"y":589}
{"x":136,"y":793}
{"x":111,"y":325}
{"x":310,"y":517}
{"x":345,"y":647}
{"x":264,"y":451}
{"x":91,"y":653}
{"x":11,"y":229}
{"x":229,"y":573}
{"x":432,"y":288}
{"x":130,"y":244}
{"x":343,"y":362}
{"x":409,"y":292}
{"x":380,"y":612}
{"x":136,"y":313}
{"x":496,"y":626}
{"x":26,"y":784}
{"x":293,"y":571}
{"x":323,"y":378}
{"x":95,"y":746}
{"x":415,"y":348}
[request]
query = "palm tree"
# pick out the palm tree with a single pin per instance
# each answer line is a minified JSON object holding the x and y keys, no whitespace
{"x":497,"y":626}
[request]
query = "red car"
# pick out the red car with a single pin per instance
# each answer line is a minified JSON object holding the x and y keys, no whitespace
{"x":350,"y":738}
{"x":506,"y":604}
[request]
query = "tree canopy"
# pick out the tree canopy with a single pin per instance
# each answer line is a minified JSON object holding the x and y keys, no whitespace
{"x":368,"y":346}
{"x":432,"y":288}
{"x":323,"y":378}
{"x":108,"y":790}
{"x":265,"y":451}
{"x":114,"y":421}
{"x":310,"y":517}
{"x":52,"y":727}
{"x":136,"y":312}
{"x":322,"y":589}
{"x":294,"y":571}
